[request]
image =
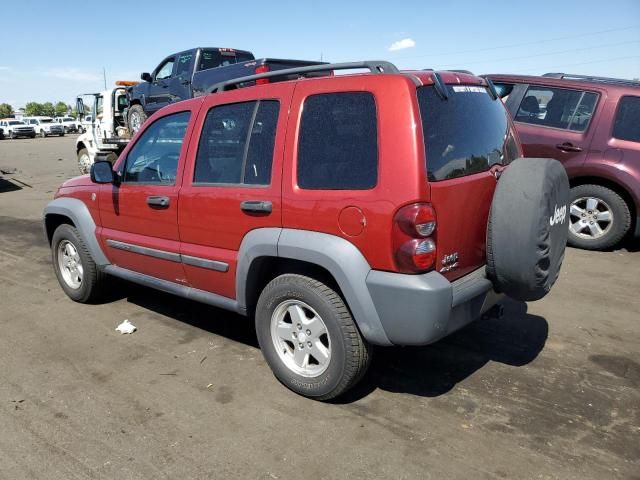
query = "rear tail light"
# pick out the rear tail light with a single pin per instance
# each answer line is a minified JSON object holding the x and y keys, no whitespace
{"x":414,"y":241}
{"x":262,"y":69}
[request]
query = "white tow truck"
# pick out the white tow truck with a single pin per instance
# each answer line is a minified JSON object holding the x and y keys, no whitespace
{"x":107,"y":134}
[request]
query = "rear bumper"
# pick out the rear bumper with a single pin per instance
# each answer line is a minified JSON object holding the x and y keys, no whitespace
{"x":420,"y":309}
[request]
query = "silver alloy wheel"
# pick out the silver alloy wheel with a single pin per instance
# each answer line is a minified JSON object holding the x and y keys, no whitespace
{"x":70,"y":264}
{"x":84,"y":163}
{"x":301,"y":338}
{"x":590,"y":218}
{"x":135,"y":122}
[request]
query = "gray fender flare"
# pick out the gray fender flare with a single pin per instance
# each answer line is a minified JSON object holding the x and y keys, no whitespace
{"x":78,"y":213}
{"x":338,"y":256}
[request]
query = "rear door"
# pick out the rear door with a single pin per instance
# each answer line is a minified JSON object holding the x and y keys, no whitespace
{"x":555,"y":123}
{"x":233,"y":182}
{"x":468,"y":138}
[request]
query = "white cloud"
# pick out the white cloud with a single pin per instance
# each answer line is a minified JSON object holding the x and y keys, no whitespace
{"x":402,"y":44}
{"x":73,"y":74}
{"x":4,"y":69}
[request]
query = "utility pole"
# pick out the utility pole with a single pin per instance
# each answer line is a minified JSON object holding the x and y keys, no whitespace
{"x":104,"y":76}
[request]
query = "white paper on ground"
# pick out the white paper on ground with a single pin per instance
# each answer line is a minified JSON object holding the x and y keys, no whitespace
{"x":126,"y":327}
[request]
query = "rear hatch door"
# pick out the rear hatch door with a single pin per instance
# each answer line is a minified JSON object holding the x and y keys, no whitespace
{"x":468,"y":140}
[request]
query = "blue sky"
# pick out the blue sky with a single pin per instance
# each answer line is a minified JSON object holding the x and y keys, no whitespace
{"x":55,"y":50}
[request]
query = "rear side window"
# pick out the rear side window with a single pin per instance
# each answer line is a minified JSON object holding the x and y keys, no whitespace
{"x":221,"y":58}
{"x":236,"y":145}
{"x":557,"y":108}
{"x":627,"y":122}
{"x":464,"y":134}
{"x":338,"y":143}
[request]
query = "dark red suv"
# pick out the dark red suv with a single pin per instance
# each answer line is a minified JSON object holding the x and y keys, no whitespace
{"x":386,"y":208}
{"x":592,"y":125}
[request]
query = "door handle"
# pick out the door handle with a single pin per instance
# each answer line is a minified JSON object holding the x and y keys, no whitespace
{"x":256,"y":206}
{"x":158,"y":201}
{"x":568,"y":147}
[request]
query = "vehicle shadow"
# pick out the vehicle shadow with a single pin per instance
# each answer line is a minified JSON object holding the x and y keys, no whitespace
{"x":516,"y":340}
{"x":7,"y":186}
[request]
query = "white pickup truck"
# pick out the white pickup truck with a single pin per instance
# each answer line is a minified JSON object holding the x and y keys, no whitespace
{"x":68,"y":123}
{"x":44,"y":126}
{"x":13,"y":128}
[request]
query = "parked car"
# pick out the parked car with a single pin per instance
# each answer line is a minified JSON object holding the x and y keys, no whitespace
{"x":191,"y":73}
{"x":592,"y":125}
{"x":68,"y":123}
{"x":108,"y":135}
{"x":340,"y":212}
{"x":13,"y":128}
{"x":45,"y":126}
{"x":85,"y":123}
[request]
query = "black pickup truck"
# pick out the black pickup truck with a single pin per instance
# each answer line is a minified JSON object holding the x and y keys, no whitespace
{"x":191,"y":73}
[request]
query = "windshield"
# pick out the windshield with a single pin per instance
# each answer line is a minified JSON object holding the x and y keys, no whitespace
{"x":217,"y":58}
{"x":466,"y":133}
{"x":46,"y":120}
{"x":16,"y":123}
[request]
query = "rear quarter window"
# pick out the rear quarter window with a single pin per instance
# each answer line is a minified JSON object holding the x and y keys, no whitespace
{"x":464,"y":134}
{"x":627,"y":122}
{"x":338,"y":142}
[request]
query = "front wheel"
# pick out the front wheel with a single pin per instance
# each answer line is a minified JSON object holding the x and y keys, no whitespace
{"x":599,"y":217}
{"x":84,"y":161}
{"x":135,"y":118}
{"x":76,"y":271}
{"x":42,"y":134}
{"x":309,"y":338}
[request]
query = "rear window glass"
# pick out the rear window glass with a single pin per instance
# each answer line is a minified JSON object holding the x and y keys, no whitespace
{"x":627,"y":122}
{"x":338,"y":143}
{"x":465,"y":134}
{"x":216,"y":58}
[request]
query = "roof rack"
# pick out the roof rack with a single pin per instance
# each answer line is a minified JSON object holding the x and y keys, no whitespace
{"x":590,"y":78}
{"x":374,"y":66}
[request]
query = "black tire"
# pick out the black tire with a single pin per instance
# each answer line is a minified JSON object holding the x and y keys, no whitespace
{"x":92,"y":278}
{"x":33,"y":135}
{"x":528,"y":228}
{"x":43,"y":134}
{"x":135,"y":116}
{"x":350,"y":354}
{"x":614,"y":231}
{"x":12,"y":135}
{"x":61,"y":135}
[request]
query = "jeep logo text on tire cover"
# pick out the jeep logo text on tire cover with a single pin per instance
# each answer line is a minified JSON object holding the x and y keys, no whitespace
{"x":559,"y":214}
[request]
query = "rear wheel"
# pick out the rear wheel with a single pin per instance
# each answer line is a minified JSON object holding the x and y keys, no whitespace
{"x":599,"y":217}
{"x":135,"y":118}
{"x":309,"y":338}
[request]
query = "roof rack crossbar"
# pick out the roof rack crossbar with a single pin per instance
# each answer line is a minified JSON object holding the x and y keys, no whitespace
{"x":374,"y":66}
{"x":592,"y":78}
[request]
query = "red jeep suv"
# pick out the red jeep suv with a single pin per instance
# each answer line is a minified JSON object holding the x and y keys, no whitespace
{"x":592,"y":125}
{"x":379,"y":208}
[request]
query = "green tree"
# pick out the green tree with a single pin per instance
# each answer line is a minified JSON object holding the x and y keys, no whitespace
{"x":48,"y":109}
{"x":33,"y":109}
{"x":5,"y":110}
{"x":62,"y":109}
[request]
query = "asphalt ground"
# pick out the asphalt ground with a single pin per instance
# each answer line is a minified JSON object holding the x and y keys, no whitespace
{"x":551,"y":391}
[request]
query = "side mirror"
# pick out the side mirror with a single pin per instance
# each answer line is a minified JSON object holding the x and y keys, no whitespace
{"x":102,"y":172}
{"x":146,"y":77}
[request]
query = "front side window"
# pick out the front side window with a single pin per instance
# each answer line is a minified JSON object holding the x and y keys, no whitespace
{"x":165,"y":70}
{"x":627,"y":123}
{"x":184,"y":64}
{"x":557,"y":108}
{"x":464,"y":134}
{"x":236,"y":144}
{"x":338,"y":142}
{"x":154,"y":157}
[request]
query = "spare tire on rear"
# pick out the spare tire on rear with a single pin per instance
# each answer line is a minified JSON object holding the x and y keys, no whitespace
{"x":528,"y":228}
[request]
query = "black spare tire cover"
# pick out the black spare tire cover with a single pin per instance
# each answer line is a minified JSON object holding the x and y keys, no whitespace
{"x":528,"y":228}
